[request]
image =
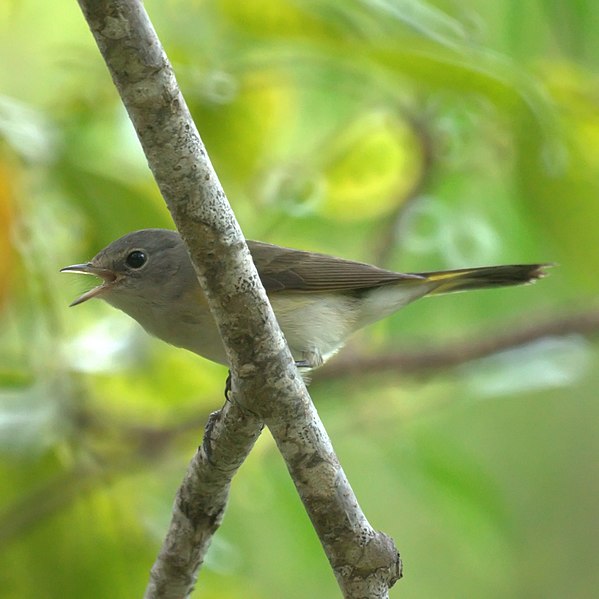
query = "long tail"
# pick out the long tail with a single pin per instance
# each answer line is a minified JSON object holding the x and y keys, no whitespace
{"x":481,"y":278}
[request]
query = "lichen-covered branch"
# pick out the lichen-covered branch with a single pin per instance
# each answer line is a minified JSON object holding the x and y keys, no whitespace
{"x":201,"y":500}
{"x":266,"y":385}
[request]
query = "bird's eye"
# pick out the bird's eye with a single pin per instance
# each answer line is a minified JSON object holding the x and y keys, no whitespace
{"x":136,"y":259}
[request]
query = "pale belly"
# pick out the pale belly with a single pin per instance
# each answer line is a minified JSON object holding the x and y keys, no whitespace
{"x":312,"y":324}
{"x":315,"y":325}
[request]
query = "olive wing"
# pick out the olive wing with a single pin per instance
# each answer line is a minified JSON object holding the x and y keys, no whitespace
{"x":282,"y":269}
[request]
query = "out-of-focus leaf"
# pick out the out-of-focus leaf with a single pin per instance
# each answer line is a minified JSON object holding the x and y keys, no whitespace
{"x":30,"y":421}
{"x":423,"y":17}
{"x":456,"y":483}
{"x":26,"y":130}
{"x":87,"y":536}
{"x":271,"y":17}
{"x":574,"y":26}
{"x":542,"y":365}
{"x":114,"y":203}
{"x":258,"y":111}
{"x":372,"y":165}
{"x":566,"y":201}
{"x":8,"y":257}
{"x":149,"y":394}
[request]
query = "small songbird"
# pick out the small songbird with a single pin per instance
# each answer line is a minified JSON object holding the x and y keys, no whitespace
{"x":319,"y":300}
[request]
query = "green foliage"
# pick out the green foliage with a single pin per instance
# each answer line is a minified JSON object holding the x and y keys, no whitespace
{"x":420,"y":135}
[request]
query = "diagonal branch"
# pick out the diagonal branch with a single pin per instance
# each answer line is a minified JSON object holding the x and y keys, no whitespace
{"x":265,"y":381}
{"x":201,"y":500}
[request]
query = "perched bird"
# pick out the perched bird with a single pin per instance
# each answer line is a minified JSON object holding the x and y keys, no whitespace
{"x":319,"y":300}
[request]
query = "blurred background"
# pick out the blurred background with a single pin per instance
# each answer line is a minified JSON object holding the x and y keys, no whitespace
{"x":415,"y":134}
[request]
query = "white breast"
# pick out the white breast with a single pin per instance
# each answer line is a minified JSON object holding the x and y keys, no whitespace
{"x":315,"y":321}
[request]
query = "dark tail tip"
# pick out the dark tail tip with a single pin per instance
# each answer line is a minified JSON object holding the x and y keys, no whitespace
{"x":538,"y":271}
{"x":486,"y":277}
{"x":515,"y":274}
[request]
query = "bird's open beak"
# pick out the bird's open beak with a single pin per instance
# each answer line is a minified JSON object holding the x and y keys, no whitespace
{"x":108,"y":277}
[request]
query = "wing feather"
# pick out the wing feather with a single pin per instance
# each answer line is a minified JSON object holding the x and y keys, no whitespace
{"x":282,"y":269}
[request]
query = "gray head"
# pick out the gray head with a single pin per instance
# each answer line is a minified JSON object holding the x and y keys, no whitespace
{"x":137,"y":266}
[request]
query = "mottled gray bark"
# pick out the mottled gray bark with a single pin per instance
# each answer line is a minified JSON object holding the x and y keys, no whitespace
{"x":266,"y":385}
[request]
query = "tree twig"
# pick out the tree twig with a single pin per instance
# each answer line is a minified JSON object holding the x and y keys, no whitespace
{"x":201,"y":500}
{"x":265,"y":382}
{"x":454,"y":353}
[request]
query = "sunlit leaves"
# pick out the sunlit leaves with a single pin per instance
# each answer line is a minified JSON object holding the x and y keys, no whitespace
{"x":372,"y":166}
{"x":260,"y":105}
{"x":270,"y":17}
{"x":8,"y":257}
{"x":565,"y":200}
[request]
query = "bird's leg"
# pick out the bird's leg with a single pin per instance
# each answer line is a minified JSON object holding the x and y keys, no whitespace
{"x":230,"y":398}
{"x":207,"y":440}
{"x":310,"y":359}
{"x":228,"y":388}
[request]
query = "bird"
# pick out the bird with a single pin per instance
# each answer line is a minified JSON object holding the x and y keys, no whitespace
{"x":319,"y":300}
